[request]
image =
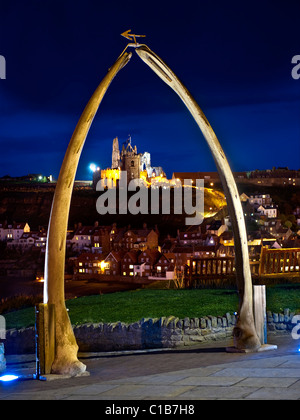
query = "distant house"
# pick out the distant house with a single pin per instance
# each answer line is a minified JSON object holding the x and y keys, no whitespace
{"x":87,"y":263}
{"x":113,"y":263}
{"x":269,"y":211}
{"x":217,"y":227}
{"x":282,"y":233}
{"x":100,"y":239}
{"x":128,"y":262}
{"x":189,"y":237}
{"x":82,"y":237}
{"x":95,"y":238}
{"x":13,"y":231}
{"x":146,"y":260}
{"x":244,"y":197}
{"x":226,"y":238}
{"x":139,"y":239}
{"x":41,"y":239}
{"x":165,"y":266}
{"x":168,"y":244}
{"x":271,"y":225}
{"x":260,"y":199}
{"x":27,"y":241}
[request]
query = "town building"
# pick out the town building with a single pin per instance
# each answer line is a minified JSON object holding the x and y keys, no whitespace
{"x":113,"y":263}
{"x":13,"y":231}
{"x":128,"y":262}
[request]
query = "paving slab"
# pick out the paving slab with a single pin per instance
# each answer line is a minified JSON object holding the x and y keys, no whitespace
{"x":201,"y":372}
{"x":259,"y":372}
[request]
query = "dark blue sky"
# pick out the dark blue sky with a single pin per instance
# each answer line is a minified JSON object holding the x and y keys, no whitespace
{"x":234,"y":57}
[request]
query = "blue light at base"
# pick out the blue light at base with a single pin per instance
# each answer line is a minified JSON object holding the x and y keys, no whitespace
{"x":8,"y":378}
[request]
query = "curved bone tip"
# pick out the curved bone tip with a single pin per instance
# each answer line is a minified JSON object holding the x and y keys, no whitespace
{"x":143,"y":50}
{"x":127,"y":56}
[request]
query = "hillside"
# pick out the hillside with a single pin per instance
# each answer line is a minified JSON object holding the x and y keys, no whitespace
{"x":33,"y":205}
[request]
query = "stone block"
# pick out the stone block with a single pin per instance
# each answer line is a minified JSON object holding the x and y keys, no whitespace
{"x":196,"y":322}
{"x":169,"y":320}
{"x":214,"y":321}
{"x":224,"y":322}
{"x":176,"y":338}
{"x":161,"y":321}
{"x":233,"y":319}
{"x":229,"y":318}
{"x":179,"y":323}
{"x":208,"y":322}
{"x":173,"y":323}
{"x":203,"y":323}
{"x":197,"y":338}
{"x":186,"y":323}
{"x":219,"y":322}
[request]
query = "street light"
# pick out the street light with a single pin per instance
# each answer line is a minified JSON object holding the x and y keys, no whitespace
{"x":93,"y":167}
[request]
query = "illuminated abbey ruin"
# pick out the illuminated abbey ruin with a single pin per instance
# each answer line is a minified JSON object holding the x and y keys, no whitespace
{"x":137,"y":165}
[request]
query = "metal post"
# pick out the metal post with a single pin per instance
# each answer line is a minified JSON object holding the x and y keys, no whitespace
{"x":45,"y":338}
{"x":259,"y":308}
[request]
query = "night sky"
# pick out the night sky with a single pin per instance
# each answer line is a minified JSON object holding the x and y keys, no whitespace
{"x":234,"y":57}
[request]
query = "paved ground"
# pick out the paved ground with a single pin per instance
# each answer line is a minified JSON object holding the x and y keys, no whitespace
{"x":202,"y":372}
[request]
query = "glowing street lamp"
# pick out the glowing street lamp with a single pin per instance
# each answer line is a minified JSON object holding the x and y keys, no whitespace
{"x":93,"y":167}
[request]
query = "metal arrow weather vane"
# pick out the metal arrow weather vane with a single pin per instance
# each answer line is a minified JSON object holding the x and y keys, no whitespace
{"x":131,"y":37}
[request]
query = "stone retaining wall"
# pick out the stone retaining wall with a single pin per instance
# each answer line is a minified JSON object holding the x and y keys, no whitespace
{"x":165,"y":332}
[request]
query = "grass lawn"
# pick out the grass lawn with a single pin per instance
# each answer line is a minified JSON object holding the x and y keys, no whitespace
{"x":131,"y":306}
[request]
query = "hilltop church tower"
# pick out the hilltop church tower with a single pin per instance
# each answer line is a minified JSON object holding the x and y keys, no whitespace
{"x":115,"y":154}
{"x":130,"y":160}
